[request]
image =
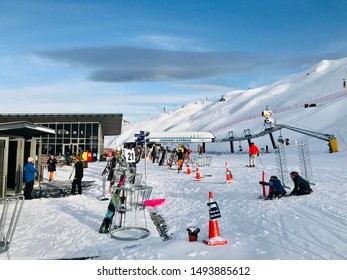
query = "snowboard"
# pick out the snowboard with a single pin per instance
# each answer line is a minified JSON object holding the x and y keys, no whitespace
{"x":111,"y":209}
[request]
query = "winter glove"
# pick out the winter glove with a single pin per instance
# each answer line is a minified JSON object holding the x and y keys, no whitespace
{"x":257,"y":154}
{"x":261,"y":182}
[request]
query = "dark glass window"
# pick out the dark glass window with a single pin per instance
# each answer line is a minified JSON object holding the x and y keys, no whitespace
{"x":59,"y":150}
{"x":88,"y":130}
{"x":67,"y":130}
{"x":52,"y":126}
{"x":95,"y":129}
{"x":82,"y":130}
{"x":74,"y":130}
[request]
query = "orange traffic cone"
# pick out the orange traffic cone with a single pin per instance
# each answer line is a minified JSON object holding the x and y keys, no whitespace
{"x":229,"y":176}
{"x":188,"y":169}
{"x":214,"y":237}
{"x":198,"y":177}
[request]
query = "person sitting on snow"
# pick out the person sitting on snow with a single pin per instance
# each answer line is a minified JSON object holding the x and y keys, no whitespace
{"x":275,"y":188}
{"x":301,"y":186}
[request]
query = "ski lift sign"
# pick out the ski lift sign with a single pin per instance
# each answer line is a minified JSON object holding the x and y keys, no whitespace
{"x":214,"y":210}
{"x":129,"y":155}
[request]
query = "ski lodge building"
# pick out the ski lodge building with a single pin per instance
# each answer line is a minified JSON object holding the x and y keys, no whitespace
{"x":24,"y":135}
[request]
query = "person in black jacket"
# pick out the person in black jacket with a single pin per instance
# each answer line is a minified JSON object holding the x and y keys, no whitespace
{"x":51,"y":165}
{"x":77,"y":181}
{"x":301,"y":186}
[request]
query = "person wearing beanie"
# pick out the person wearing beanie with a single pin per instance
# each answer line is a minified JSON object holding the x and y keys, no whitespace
{"x":29,"y":177}
{"x":51,"y":166}
{"x":77,"y":181}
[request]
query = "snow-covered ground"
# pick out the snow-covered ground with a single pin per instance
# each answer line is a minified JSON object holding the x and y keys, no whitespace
{"x":312,"y":227}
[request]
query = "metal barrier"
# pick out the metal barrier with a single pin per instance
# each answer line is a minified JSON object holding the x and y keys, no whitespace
{"x":130,"y":201}
{"x":128,"y":197}
{"x":203,"y":162}
{"x":11,"y":207}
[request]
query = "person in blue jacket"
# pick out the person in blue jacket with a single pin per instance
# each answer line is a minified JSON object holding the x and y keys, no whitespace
{"x":29,"y":177}
{"x":275,"y":188}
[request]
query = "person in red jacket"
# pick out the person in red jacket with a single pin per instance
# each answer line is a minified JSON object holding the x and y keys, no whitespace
{"x":253,"y":152}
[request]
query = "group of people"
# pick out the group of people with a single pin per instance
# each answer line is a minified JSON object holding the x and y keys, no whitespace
{"x":177,"y":155}
{"x":276,"y":189}
{"x":30,"y":170}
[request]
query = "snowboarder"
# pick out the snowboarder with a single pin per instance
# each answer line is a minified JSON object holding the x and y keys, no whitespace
{"x":301,"y":186}
{"x":275,"y":188}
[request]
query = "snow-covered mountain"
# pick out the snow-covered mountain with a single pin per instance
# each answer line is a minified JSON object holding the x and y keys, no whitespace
{"x":321,"y":85}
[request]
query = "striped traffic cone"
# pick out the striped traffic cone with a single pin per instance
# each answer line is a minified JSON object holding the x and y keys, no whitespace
{"x":188,"y":169}
{"x":198,"y":177}
{"x":229,"y":176}
{"x":214,"y":237}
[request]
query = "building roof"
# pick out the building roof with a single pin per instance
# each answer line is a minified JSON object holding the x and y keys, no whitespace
{"x":24,"y":129}
{"x":181,"y":137}
{"x":111,"y":123}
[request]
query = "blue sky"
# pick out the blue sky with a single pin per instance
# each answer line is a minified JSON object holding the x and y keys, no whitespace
{"x":137,"y":57}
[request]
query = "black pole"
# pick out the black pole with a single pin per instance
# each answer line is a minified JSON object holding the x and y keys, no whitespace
{"x":249,"y":142}
{"x":232,"y":147}
{"x":273,"y":141}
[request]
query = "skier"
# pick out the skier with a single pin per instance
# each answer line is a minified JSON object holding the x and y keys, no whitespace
{"x":301,"y":186}
{"x":77,"y":181}
{"x":253,"y":151}
{"x":180,"y":158}
{"x":154,"y":154}
{"x":275,"y":188}
{"x":200,"y":150}
{"x":51,"y":166}
{"x":29,"y":177}
{"x":163,"y":156}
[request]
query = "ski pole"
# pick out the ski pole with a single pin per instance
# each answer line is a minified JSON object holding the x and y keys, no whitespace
{"x":40,"y":191}
{"x":260,"y":161}
{"x":71,"y":172}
